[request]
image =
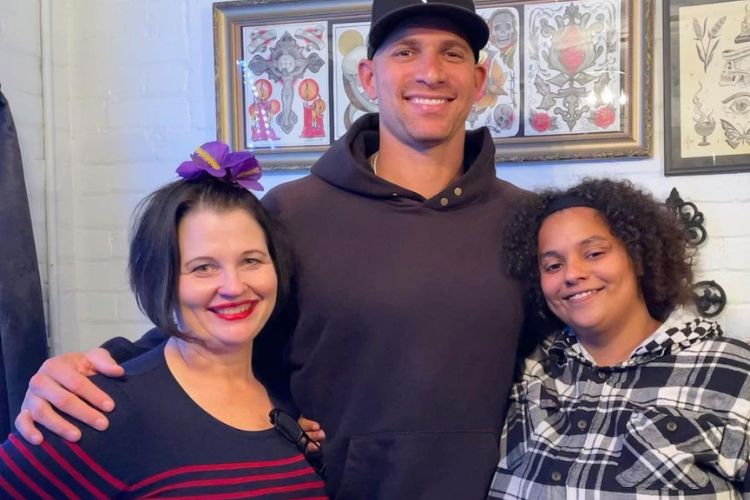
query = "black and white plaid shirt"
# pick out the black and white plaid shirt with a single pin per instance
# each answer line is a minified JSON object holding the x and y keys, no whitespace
{"x":673,"y":421}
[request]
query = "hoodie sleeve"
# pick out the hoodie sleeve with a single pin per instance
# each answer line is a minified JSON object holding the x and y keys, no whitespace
{"x":122,"y":349}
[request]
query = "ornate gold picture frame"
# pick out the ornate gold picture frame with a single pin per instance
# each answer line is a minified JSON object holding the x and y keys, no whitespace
{"x":566,"y":79}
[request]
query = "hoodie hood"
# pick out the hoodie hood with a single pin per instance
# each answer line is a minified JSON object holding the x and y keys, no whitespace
{"x":345,"y":164}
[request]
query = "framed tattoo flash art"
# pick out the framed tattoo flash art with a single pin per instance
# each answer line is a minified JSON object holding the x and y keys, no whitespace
{"x":573,"y":78}
{"x":707,"y":86}
{"x":565,"y":79}
{"x":276,"y":89}
{"x":348,"y":95}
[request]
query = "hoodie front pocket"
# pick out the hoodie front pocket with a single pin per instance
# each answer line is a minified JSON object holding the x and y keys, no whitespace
{"x":415,"y":465}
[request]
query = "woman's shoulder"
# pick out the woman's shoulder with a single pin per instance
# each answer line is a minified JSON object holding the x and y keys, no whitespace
{"x":144,"y":366}
{"x":535,"y":363}
{"x":722,"y":350}
{"x":146,"y":382}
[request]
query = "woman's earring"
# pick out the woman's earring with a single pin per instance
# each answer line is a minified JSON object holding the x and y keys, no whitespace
{"x":176,"y":321}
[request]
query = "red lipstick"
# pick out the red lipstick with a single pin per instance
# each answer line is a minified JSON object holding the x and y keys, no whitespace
{"x":234,"y":311}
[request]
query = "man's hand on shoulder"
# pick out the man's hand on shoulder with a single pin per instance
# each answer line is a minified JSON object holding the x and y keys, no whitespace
{"x":62,"y":384}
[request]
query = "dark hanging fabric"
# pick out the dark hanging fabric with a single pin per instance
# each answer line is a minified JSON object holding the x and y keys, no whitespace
{"x":23,"y":338}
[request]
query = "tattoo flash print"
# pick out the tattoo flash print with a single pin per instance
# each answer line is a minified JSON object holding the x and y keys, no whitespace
{"x":499,"y":107}
{"x":553,"y":68}
{"x":703,"y":123}
{"x":733,"y":136}
{"x":285,"y":73}
{"x":715,"y":79}
{"x":348,"y":49}
{"x":706,"y":40}
{"x":572,"y":59}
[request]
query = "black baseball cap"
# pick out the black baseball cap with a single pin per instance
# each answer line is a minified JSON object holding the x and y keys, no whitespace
{"x":387,"y":14}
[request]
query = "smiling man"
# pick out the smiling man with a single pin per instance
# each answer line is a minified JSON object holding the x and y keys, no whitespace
{"x":404,"y":325}
{"x":407,"y":326}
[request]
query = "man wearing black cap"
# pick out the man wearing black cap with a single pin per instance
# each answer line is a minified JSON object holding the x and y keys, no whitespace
{"x":404,"y":323}
{"x":406,"y":331}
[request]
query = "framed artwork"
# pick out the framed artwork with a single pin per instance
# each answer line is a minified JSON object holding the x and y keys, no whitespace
{"x":349,"y":97}
{"x":499,"y":107}
{"x":566,"y":79}
{"x":707,"y":86}
{"x":274,"y":64}
{"x":575,"y":78}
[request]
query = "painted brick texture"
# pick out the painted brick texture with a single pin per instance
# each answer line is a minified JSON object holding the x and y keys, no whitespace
{"x":134,"y":84}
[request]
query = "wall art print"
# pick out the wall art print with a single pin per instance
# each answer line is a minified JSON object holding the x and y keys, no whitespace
{"x":565,"y":79}
{"x":573,"y":60}
{"x":707,"y":90}
{"x":499,"y":106}
{"x":285,"y":84}
{"x":348,"y":96}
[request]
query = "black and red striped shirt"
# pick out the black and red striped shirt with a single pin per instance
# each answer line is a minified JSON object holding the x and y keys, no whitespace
{"x":159,"y":444}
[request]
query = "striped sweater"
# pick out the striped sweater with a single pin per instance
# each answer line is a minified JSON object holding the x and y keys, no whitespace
{"x":159,"y":444}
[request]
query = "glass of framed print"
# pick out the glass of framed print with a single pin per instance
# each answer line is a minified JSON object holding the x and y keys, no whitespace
{"x":566,"y":79}
{"x":706,"y":86}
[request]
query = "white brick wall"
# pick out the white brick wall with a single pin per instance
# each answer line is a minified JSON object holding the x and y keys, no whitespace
{"x":723,"y":199}
{"x":134,"y":94}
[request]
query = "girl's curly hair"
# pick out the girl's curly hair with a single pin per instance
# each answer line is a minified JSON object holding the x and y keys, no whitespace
{"x":650,"y":231}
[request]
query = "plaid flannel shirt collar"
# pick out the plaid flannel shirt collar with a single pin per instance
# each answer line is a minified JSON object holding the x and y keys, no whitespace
{"x":681,"y":330}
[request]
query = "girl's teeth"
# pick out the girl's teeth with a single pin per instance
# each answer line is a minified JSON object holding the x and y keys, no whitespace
{"x":581,"y":295}
{"x":235,"y":310}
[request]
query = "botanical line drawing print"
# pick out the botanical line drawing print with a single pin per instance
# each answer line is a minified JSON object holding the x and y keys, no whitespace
{"x":714,"y":79}
{"x":707,"y":39}
{"x":707,"y":86}
{"x":573,"y":60}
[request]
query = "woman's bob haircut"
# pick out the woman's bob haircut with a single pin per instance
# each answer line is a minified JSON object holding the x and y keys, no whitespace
{"x":154,"y":264}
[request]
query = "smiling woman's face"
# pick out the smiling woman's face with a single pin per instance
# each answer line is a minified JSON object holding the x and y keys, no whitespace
{"x":587,"y":276}
{"x":227,"y":284}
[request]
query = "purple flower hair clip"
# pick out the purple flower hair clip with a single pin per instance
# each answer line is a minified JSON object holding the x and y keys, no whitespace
{"x":214,"y":158}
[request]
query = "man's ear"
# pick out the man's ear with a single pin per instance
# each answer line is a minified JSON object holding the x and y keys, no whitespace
{"x":480,"y":75}
{"x":366,"y":73}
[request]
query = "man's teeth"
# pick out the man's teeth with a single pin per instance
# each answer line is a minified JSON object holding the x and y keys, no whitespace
{"x":422,"y":100}
{"x":234,"y":310}
{"x":581,"y":295}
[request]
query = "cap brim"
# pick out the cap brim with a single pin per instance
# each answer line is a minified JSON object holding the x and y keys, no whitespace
{"x":471,"y":24}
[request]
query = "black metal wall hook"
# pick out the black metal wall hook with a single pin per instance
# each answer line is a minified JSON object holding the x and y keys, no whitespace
{"x":691,"y":217}
{"x":710,"y":298}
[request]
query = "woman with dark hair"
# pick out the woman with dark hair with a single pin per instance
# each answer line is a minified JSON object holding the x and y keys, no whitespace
{"x":632,"y":396}
{"x":208,"y":267}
